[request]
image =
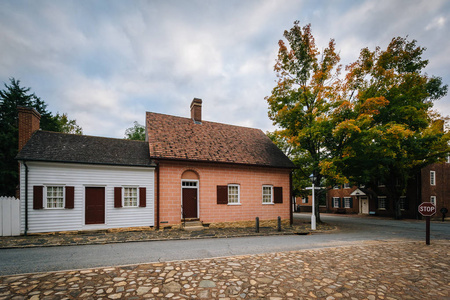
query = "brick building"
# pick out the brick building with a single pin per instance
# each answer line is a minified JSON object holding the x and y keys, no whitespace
{"x":216,"y":173}
{"x":188,"y":169}
{"x":432,"y":184}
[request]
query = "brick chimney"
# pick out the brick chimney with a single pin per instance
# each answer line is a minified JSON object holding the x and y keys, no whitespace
{"x":196,"y":110}
{"x":29,"y":122}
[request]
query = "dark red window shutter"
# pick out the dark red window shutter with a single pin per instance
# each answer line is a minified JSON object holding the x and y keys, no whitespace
{"x":117,"y":197}
{"x":38,"y":196}
{"x":222,"y":194}
{"x":142,"y":197}
{"x":70,"y":197}
{"x":277,"y":195}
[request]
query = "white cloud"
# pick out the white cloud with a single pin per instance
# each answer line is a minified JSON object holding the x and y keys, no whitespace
{"x":106,"y":62}
{"x":437,"y":23}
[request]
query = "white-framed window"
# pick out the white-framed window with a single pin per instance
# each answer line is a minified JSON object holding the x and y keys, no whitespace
{"x":346,"y":185}
{"x":432,"y":177}
{"x":130,"y":196}
{"x":234,"y":194}
{"x":336,"y":202}
{"x":448,"y":158}
{"x":305,"y":200}
{"x":433,"y":200}
{"x":347,"y":201}
{"x":267,"y":194}
{"x":381,"y":202}
{"x":54,"y":197}
{"x":402,"y":202}
{"x":336,"y":187}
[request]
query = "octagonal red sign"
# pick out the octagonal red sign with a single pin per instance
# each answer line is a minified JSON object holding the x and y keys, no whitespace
{"x":427,"y":209}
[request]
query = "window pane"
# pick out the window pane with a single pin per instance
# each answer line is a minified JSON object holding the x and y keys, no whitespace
{"x":347,"y":202}
{"x":233,"y":194}
{"x":55,"y":197}
{"x":130,"y":197}
{"x":267,"y":194}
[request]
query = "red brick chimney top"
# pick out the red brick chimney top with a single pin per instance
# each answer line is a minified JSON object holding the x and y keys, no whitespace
{"x":196,"y":110}
{"x":29,"y":122}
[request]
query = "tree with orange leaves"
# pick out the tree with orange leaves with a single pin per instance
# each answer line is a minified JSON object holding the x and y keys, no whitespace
{"x":394,"y":132}
{"x":375,"y":124}
{"x":301,"y":101}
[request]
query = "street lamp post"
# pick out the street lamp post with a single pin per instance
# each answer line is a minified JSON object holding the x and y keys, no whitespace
{"x":313,"y":215}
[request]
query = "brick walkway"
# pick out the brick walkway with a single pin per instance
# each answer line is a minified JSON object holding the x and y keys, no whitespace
{"x":394,"y":270}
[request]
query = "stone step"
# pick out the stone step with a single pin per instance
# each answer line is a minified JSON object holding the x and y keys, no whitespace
{"x":193,"y":226}
{"x":193,"y":223}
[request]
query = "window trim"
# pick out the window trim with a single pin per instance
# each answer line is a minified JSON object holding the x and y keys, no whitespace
{"x":347,"y":185}
{"x":349,"y":199}
{"x":271,"y":194}
{"x":384,"y":198}
{"x":238,"y":194}
{"x":402,"y":202}
{"x":334,"y":202}
{"x":45,"y":194}
{"x":431,"y":200}
{"x":123,"y":196}
{"x":433,"y":178}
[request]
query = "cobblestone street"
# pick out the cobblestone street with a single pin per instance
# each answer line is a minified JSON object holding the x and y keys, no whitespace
{"x":373,"y":270}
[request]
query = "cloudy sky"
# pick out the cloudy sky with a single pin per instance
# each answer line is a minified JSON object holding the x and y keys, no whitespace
{"x":106,"y":63}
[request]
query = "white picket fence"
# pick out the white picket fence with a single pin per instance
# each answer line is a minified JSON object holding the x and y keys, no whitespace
{"x":9,"y":216}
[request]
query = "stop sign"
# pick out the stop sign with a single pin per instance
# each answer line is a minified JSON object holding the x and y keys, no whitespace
{"x":427,"y":209}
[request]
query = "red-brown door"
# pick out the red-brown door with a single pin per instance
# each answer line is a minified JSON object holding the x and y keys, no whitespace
{"x":190,"y":203}
{"x":95,"y":205}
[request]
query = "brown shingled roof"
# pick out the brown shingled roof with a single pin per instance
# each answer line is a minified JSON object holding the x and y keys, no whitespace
{"x":178,"y":138}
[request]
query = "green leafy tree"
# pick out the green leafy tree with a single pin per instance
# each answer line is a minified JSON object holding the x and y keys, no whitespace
{"x":12,"y":96}
{"x":388,"y":129}
{"x":301,"y":102}
{"x":64,"y":124}
{"x":137,"y":132}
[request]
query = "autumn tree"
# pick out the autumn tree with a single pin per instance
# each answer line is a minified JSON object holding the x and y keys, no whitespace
{"x":137,"y":132}
{"x":301,"y":102}
{"x":388,"y":129}
{"x":12,"y":96}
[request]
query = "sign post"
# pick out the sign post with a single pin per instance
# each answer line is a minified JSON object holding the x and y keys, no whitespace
{"x":427,"y":209}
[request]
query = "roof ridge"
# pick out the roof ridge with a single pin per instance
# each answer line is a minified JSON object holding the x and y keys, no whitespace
{"x":88,"y":136}
{"x":203,"y":121}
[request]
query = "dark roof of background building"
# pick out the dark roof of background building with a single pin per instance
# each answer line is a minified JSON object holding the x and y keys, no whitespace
{"x":71,"y":148}
{"x":178,"y":138}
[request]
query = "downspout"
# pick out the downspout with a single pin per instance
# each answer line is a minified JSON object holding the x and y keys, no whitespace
{"x":157,"y":195}
{"x":26,"y":197}
{"x":291,"y":214}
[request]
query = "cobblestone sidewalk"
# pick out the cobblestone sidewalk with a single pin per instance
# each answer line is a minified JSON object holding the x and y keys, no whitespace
{"x":104,"y":237}
{"x":402,"y":270}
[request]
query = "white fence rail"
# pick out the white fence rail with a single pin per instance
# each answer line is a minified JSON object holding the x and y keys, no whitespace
{"x":9,"y":216}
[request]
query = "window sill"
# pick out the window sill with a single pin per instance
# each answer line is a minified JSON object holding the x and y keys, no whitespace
{"x":267,"y":203}
{"x":382,"y":209}
{"x":234,"y":204}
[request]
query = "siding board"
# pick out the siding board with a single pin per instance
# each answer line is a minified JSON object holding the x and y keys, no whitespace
{"x":80,"y":176}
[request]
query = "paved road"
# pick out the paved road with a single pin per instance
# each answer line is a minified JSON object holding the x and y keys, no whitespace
{"x":352,"y":231}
